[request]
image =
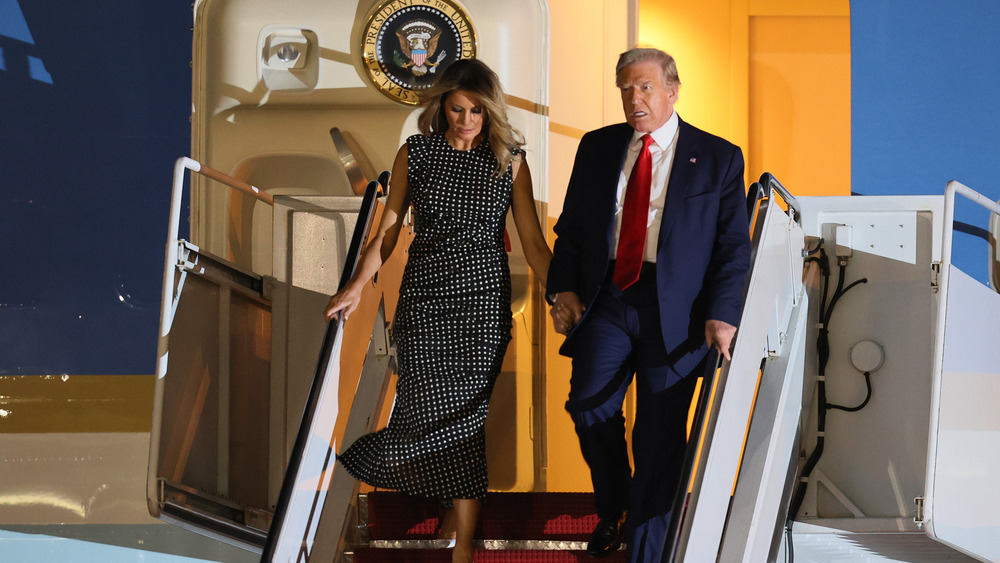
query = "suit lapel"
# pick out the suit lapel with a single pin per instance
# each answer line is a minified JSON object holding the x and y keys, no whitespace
{"x":618,"y":140}
{"x":686,"y":157}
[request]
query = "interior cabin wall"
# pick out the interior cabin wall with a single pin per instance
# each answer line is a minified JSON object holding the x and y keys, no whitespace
{"x":587,"y":38}
{"x":772,"y":76}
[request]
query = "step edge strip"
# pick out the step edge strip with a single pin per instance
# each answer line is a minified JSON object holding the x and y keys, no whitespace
{"x":525,"y":545}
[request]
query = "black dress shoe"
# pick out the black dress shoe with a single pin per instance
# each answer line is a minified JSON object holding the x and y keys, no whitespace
{"x":607,"y":536}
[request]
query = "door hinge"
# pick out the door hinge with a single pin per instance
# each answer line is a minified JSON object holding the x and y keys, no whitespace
{"x":919,"y":518}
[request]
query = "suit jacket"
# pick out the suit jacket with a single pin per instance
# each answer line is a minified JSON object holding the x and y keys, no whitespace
{"x":703,"y":251}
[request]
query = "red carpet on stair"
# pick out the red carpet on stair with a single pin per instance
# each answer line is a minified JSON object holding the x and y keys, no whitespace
{"x":369,"y":555}
{"x":504,"y":516}
{"x":516,"y":527}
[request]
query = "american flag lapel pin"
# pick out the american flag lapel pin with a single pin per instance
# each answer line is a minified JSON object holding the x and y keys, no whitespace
{"x":693,"y":160}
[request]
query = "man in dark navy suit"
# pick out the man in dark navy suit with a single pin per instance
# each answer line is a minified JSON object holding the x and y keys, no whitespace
{"x":649,"y":263}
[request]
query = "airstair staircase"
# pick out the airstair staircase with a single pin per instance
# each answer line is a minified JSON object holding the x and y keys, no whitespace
{"x":903,"y":479}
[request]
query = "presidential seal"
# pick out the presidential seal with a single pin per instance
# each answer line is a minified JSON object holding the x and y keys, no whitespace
{"x":408,"y":43}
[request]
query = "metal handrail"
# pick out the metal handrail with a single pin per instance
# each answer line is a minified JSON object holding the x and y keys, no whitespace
{"x":757,"y":196}
{"x":374,"y":190}
{"x":293,"y":473}
{"x":176,"y":195}
{"x":953,"y":187}
{"x":170,"y":294}
{"x":762,"y":188}
{"x":712,"y":363}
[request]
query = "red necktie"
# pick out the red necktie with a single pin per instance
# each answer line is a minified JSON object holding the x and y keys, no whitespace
{"x":635,"y":215}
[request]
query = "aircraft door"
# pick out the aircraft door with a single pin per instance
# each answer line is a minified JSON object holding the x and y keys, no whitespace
{"x":305,"y":101}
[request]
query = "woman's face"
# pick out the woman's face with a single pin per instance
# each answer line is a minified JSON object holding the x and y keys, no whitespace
{"x":465,"y":119}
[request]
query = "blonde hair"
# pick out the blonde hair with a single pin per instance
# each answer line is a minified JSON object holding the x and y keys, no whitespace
{"x":474,"y":77}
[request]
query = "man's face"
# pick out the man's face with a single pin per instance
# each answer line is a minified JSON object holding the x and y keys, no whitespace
{"x":647,"y":100}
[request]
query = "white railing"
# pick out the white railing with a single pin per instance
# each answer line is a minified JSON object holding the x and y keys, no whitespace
{"x":773,"y":304}
{"x":965,"y":356}
{"x":168,"y":306}
{"x":170,"y":261}
{"x":953,"y":188}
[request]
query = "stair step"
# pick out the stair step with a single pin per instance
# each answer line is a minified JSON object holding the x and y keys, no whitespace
{"x":373,"y":555}
{"x":553,"y":517}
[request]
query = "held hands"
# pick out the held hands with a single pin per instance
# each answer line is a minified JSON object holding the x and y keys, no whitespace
{"x":566,"y":311}
{"x":719,"y":335}
{"x":343,"y":303}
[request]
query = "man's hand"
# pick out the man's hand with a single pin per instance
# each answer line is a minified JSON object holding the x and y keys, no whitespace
{"x":719,"y":335}
{"x":566,"y":311}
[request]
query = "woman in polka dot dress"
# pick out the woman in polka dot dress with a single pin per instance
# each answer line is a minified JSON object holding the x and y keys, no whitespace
{"x":453,"y":320}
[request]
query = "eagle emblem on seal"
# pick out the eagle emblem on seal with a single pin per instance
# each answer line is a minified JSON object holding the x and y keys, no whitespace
{"x":418,"y":42}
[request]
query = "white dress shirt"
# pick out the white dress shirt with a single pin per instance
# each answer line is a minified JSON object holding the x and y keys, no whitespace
{"x":662,"y":152}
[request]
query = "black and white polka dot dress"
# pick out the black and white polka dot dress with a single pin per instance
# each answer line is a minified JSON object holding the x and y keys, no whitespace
{"x":451,"y":328}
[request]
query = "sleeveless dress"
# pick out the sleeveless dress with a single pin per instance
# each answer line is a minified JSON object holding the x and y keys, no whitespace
{"x":451,"y":328}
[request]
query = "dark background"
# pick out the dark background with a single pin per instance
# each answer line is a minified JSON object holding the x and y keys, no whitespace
{"x":94,"y":106}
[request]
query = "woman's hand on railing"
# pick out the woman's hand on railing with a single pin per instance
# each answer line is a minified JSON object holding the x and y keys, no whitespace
{"x":344,"y":302}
